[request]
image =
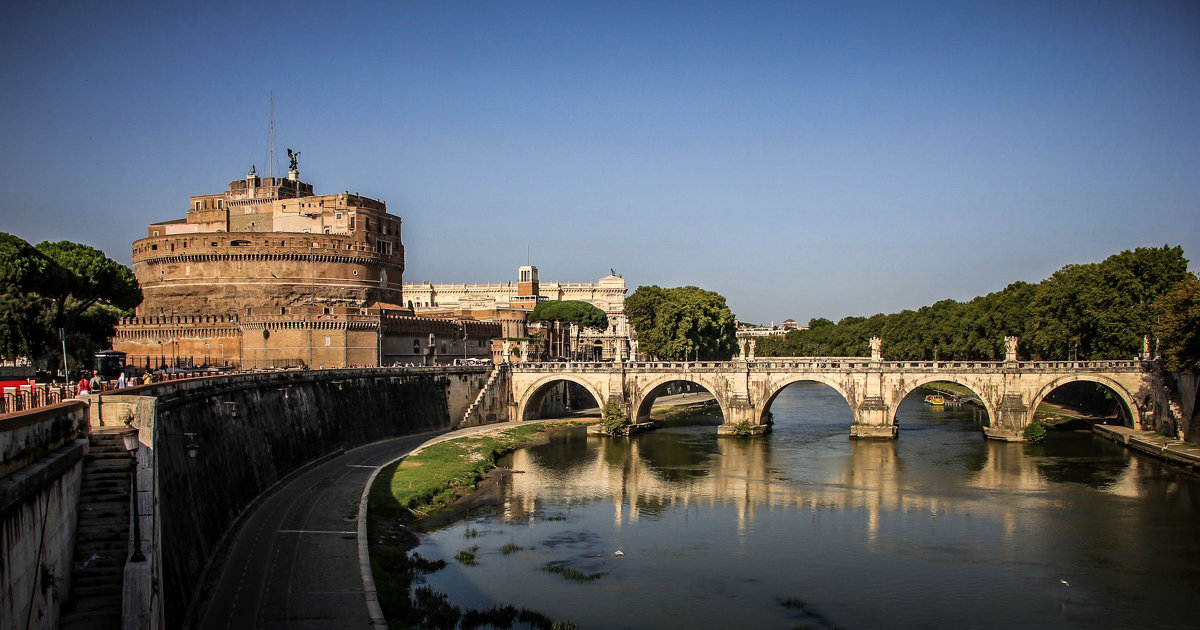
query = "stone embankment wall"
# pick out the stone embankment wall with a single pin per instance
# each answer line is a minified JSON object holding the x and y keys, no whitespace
{"x":41,"y":464}
{"x":252,"y":431}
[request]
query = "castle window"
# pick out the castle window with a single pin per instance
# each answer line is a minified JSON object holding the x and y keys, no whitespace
{"x":327,"y":340}
{"x":338,"y":216}
{"x":154,"y":247}
{"x":197,"y":206}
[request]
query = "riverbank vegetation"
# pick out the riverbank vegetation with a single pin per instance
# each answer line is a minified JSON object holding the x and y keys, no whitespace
{"x":1090,"y":311}
{"x":418,"y":486}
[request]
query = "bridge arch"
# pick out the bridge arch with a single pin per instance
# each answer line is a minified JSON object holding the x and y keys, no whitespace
{"x":531,"y":402}
{"x":648,"y":389}
{"x":775,"y":386}
{"x":913,"y":384}
{"x":1135,"y":413}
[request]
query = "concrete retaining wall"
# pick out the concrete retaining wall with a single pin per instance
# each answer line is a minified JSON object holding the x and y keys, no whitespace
{"x":41,"y":459}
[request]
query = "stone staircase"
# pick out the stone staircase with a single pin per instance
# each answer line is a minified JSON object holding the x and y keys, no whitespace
{"x":472,"y":417}
{"x":101,"y":535}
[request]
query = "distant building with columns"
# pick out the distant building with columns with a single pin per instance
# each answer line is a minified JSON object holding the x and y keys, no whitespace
{"x":268,"y":274}
{"x":506,"y":299}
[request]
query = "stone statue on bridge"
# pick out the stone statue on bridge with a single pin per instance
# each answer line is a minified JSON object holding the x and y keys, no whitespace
{"x":741,"y":348}
{"x":294,"y":159}
{"x":876,"y":349}
{"x":1010,"y":348}
{"x":750,"y":343}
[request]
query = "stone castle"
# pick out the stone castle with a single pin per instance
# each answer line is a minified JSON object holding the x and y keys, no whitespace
{"x":268,"y":274}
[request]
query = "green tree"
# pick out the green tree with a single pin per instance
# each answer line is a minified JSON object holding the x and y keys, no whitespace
{"x":1103,"y":310}
{"x":677,"y":324}
{"x":1179,"y":327}
{"x":60,"y":285}
{"x":570,"y":311}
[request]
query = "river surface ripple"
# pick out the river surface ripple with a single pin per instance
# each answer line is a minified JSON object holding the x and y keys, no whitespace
{"x":808,"y":528}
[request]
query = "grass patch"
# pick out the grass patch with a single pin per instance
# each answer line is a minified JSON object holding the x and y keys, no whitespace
{"x":510,"y":548}
{"x":466,"y":557}
{"x":434,"y":477}
{"x":573,"y":574}
{"x":667,"y":409}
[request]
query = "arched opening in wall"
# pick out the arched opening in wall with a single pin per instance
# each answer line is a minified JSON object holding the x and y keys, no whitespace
{"x":808,"y":410}
{"x":1080,"y":404}
{"x":941,"y":406}
{"x":560,"y":399}
{"x":678,"y":400}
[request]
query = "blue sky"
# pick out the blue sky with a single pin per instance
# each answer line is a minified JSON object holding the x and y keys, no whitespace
{"x":802,"y":159}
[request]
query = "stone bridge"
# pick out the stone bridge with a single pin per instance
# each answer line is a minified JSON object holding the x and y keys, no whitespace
{"x":1008,"y":390}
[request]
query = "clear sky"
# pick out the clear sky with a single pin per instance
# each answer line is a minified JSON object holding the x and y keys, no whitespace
{"x":803,"y":159}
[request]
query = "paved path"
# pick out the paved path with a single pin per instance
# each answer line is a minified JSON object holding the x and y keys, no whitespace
{"x":1152,"y":443}
{"x":294,"y":561}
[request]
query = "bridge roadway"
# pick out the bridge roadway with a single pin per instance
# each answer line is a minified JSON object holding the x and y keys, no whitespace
{"x":1008,"y":390}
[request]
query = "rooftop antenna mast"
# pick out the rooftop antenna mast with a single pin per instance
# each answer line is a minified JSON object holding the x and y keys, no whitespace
{"x":272,"y":141}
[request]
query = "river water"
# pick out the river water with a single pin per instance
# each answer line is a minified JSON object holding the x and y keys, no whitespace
{"x":807,"y":528}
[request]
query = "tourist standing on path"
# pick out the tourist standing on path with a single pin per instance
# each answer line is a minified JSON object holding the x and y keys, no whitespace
{"x":95,"y":385}
{"x":121,"y":381}
{"x":82,"y":386}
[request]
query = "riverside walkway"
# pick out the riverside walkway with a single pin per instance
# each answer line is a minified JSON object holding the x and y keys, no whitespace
{"x":297,"y":560}
{"x":1152,"y":443}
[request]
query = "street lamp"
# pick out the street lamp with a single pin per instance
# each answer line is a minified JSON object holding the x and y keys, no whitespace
{"x":130,"y":437}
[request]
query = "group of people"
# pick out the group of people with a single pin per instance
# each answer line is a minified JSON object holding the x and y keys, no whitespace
{"x":96,"y":384}
{"x":85,"y":385}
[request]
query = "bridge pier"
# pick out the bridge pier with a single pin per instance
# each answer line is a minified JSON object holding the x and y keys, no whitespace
{"x":742,"y":418}
{"x":1012,"y":416}
{"x":872,"y":420}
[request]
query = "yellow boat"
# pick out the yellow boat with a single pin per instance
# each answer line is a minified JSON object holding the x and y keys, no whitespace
{"x":934,"y":399}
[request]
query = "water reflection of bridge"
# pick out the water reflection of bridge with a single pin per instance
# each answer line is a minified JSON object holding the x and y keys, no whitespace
{"x":1004,"y":485}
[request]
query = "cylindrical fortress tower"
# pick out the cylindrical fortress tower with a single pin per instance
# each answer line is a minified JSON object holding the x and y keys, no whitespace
{"x":246,"y":273}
